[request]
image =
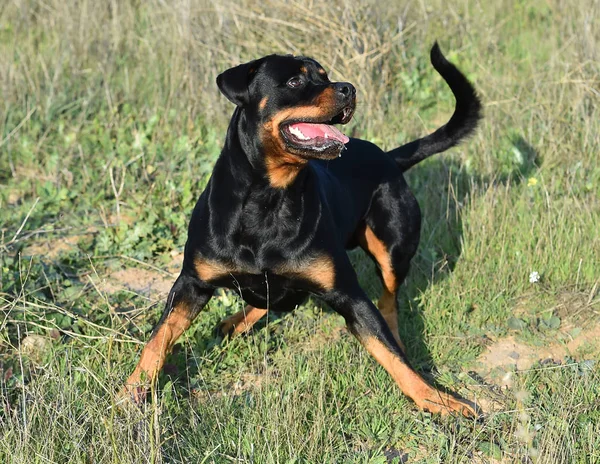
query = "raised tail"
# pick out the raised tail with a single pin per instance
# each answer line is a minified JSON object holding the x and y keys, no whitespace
{"x":463,"y":122}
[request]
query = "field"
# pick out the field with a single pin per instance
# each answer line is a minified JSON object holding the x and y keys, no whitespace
{"x":110,"y":122}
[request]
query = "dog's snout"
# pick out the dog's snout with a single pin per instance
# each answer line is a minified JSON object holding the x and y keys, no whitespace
{"x":346,"y":89}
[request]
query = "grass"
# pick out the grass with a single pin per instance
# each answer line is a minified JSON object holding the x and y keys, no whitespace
{"x":110,"y":123}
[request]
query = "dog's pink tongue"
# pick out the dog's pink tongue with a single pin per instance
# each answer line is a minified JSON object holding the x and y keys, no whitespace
{"x":321,"y":130}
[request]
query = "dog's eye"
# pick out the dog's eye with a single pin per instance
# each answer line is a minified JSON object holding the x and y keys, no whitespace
{"x":294,"y":82}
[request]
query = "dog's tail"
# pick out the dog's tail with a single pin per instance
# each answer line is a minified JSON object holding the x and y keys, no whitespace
{"x":463,"y":122}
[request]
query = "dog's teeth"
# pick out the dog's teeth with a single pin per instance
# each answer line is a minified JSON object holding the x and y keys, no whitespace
{"x":326,"y":135}
{"x":298,"y":133}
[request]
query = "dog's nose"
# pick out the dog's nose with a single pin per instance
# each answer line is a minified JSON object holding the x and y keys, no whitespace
{"x":346,"y":89}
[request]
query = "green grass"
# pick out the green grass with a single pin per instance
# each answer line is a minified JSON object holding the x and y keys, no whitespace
{"x":110,"y":122}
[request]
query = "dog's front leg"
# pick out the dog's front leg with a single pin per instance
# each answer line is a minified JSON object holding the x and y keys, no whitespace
{"x":368,"y":325}
{"x":186,"y":299}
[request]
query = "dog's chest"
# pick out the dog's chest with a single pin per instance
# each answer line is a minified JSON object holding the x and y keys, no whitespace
{"x":264,"y":232}
{"x":268,"y":217}
{"x":256,"y":240}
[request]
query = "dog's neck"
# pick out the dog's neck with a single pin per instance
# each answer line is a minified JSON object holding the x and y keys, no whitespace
{"x":249,"y":159}
{"x":240,"y":178}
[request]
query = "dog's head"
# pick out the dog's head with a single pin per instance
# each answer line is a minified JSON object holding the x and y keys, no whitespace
{"x":294,"y":104}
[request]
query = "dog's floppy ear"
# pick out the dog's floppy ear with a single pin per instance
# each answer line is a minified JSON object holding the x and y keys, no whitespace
{"x":234,"y":82}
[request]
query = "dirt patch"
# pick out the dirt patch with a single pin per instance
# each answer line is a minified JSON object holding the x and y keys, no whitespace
{"x":144,"y":281}
{"x":51,"y":249}
{"x":509,"y":353}
{"x":566,"y":304}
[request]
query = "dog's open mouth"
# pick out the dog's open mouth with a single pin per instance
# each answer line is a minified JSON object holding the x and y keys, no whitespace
{"x":316,"y":136}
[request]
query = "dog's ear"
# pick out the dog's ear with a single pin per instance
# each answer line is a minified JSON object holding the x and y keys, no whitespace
{"x":234,"y":82}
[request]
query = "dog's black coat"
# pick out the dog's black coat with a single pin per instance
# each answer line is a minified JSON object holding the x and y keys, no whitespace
{"x":274,"y":211}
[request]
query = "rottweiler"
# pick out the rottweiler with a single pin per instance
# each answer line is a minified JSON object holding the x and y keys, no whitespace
{"x":289,"y":194}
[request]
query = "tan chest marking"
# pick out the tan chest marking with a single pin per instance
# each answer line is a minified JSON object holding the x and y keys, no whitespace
{"x":208,"y":269}
{"x":318,"y":269}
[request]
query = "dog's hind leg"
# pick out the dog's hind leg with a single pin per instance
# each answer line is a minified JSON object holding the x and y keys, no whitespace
{"x":368,"y":325}
{"x":390,"y":236}
{"x":387,"y":303}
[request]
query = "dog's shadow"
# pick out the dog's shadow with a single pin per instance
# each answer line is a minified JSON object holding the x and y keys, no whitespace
{"x":443,"y":187}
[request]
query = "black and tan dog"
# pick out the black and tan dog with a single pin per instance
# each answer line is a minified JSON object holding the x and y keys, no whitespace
{"x":288,"y":196}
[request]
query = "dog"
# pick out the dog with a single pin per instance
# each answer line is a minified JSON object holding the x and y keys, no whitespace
{"x":289,"y":194}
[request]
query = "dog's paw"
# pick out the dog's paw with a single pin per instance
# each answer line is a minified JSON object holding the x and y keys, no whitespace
{"x":131,"y":396}
{"x":438,"y":402}
{"x":233,"y":326}
{"x":225,"y":329}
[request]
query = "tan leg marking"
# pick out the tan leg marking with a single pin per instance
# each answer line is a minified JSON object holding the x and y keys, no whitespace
{"x":387,"y":304}
{"x":413,"y":385}
{"x":155,"y":352}
{"x":242,"y":321}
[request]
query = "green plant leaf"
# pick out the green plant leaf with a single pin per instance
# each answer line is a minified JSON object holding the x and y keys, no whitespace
{"x":516,"y":324}
{"x":490,"y":449}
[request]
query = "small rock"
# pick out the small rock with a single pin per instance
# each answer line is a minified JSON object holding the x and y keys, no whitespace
{"x":35,"y":346}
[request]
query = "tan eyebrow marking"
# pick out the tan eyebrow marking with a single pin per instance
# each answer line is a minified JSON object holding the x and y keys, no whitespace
{"x":263,"y":103}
